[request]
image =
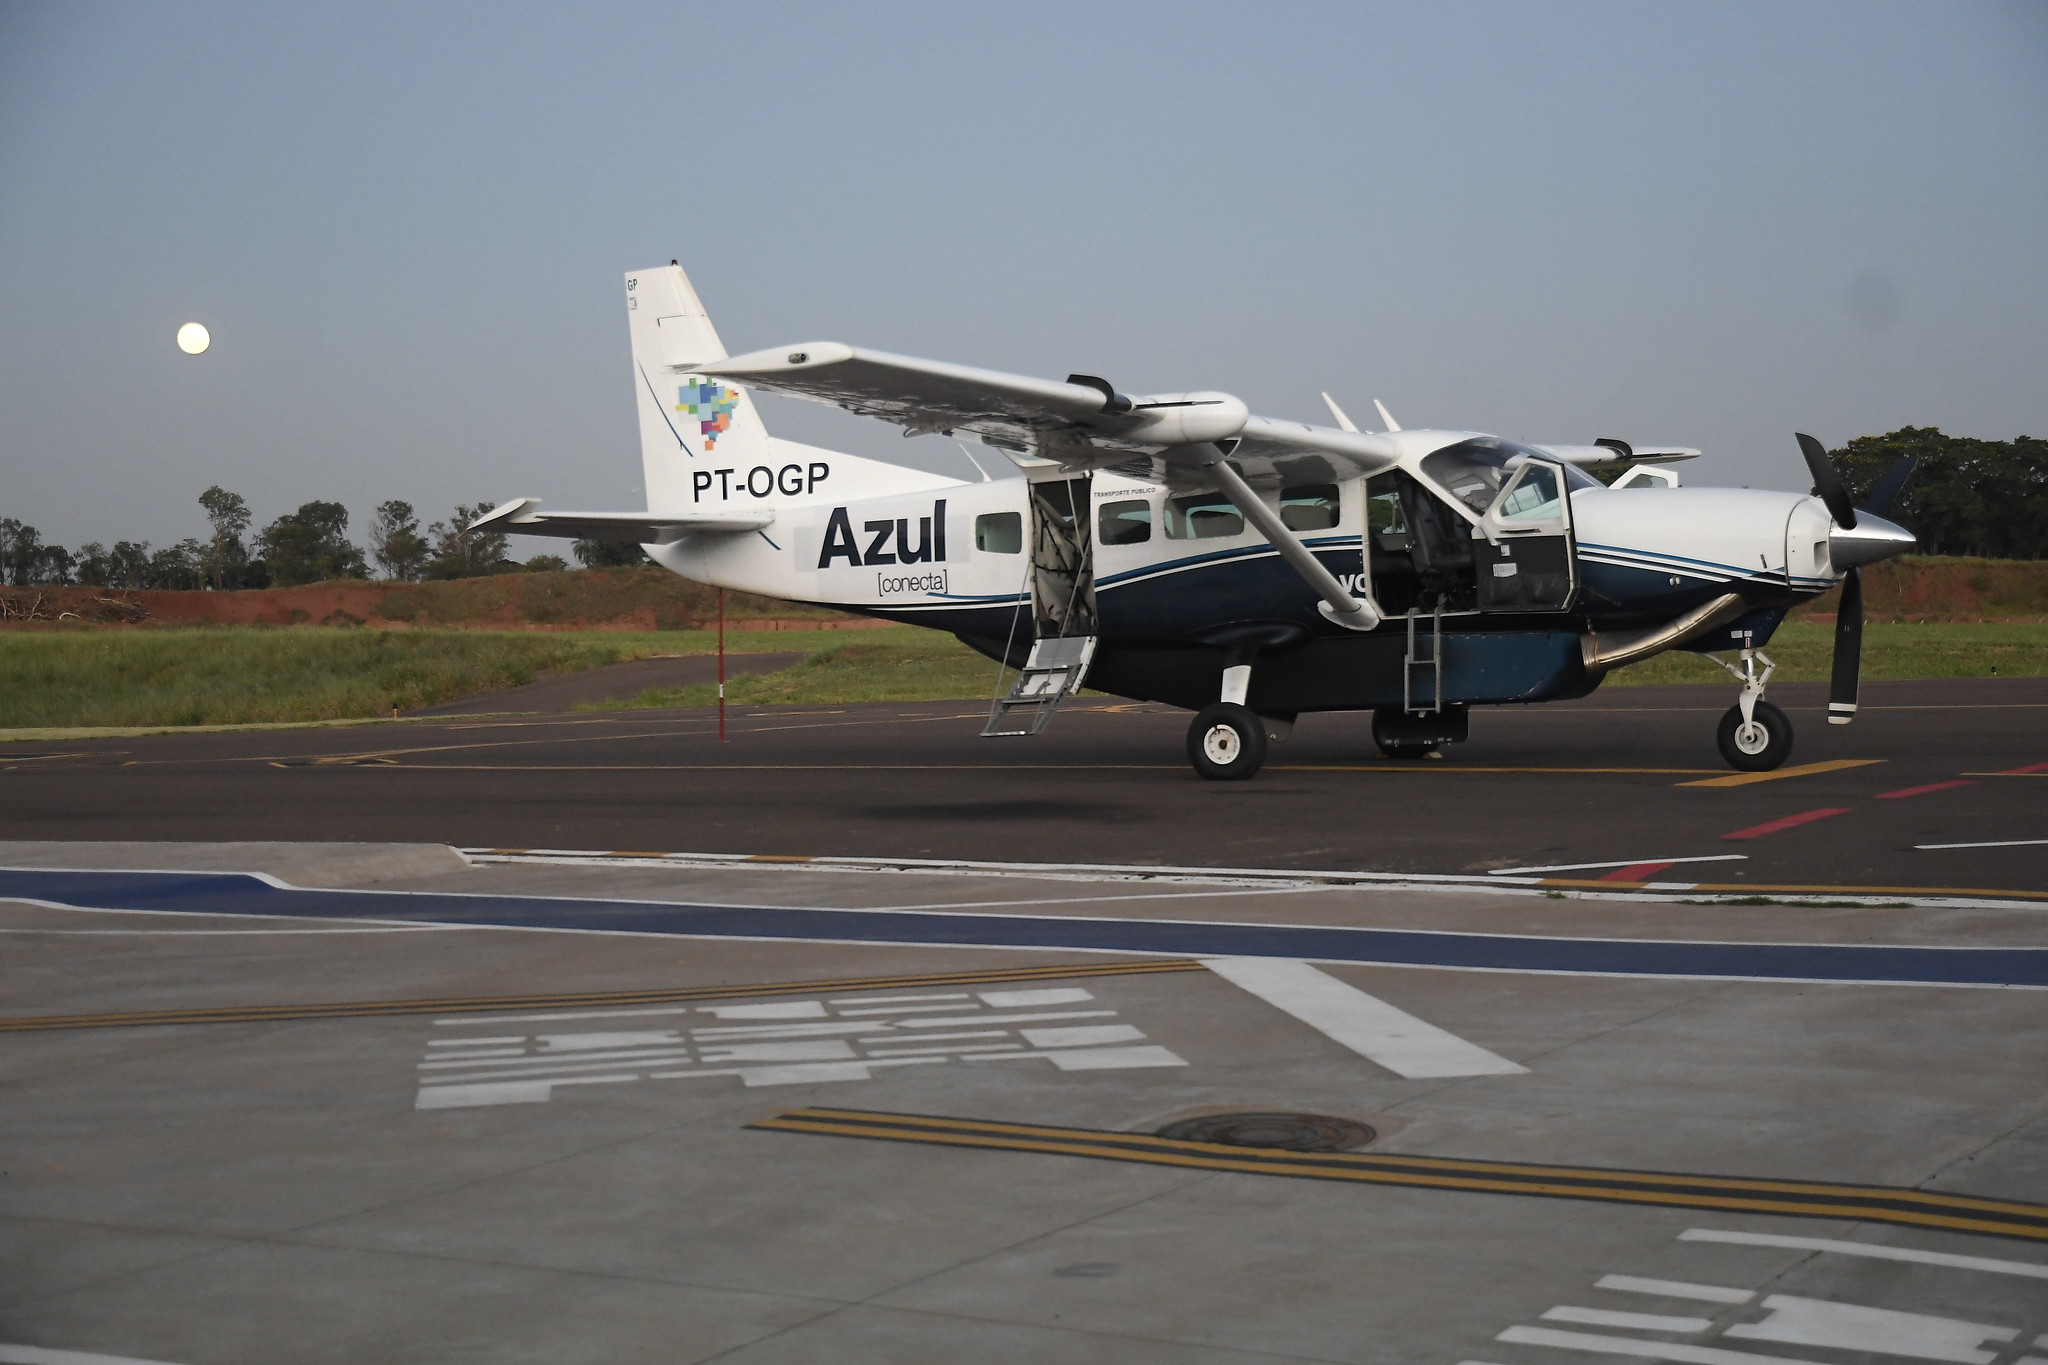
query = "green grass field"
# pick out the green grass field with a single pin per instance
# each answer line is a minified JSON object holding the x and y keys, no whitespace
{"x":231,"y":676}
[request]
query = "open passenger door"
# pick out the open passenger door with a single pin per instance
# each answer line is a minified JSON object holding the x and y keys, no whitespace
{"x":1528,"y":563}
{"x":1062,"y":606}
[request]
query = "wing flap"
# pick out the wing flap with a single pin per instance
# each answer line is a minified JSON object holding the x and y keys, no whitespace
{"x":521,"y":517}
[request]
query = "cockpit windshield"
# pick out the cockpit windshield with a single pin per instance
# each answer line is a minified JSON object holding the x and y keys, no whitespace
{"x":1476,"y":470}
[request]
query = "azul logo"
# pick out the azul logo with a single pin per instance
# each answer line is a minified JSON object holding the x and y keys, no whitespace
{"x":888,"y":539}
{"x":709,"y":404}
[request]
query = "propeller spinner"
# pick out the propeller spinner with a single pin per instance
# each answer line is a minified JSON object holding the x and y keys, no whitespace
{"x":1856,"y":540}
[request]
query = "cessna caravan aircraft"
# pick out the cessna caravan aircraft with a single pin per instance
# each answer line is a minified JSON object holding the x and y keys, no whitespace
{"x":1176,"y":548}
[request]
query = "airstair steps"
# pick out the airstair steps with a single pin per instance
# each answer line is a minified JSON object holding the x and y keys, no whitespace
{"x":1054,"y":672}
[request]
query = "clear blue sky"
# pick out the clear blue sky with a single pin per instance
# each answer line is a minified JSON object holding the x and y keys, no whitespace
{"x":405,"y":224}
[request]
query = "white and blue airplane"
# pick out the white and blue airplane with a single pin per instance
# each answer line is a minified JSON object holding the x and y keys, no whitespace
{"x":1177,"y":548}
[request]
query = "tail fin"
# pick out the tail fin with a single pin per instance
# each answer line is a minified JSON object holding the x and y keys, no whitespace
{"x":701,"y":442}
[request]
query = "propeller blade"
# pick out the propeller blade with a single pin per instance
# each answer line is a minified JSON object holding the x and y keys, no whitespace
{"x":1827,"y":482}
{"x":1880,"y":500}
{"x":1848,"y":670}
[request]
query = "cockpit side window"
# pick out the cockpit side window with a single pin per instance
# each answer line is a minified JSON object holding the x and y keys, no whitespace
{"x":1475,"y":471}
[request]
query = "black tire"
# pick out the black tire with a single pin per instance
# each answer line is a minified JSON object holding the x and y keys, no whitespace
{"x":1759,"y":749}
{"x":1226,"y":742}
{"x":1399,"y":748}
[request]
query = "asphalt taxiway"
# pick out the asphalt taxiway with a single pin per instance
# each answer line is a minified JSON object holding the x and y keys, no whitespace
{"x":1938,"y":786}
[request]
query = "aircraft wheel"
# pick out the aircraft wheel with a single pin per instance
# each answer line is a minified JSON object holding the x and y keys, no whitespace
{"x":1226,"y":743}
{"x":1759,"y":746}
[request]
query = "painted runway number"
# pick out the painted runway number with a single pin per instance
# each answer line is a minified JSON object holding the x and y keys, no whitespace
{"x":486,"y":1061}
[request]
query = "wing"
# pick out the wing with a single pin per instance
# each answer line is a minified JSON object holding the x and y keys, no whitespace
{"x":1082,"y":423}
{"x":632,"y":528}
{"x":1618,"y":452}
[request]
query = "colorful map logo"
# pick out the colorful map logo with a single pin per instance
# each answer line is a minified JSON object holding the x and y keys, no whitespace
{"x":710,"y":405}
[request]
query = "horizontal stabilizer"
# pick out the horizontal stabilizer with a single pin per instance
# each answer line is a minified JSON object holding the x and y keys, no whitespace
{"x":522,"y":516}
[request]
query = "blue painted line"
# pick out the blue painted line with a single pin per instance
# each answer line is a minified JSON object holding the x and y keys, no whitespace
{"x":241,"y":894}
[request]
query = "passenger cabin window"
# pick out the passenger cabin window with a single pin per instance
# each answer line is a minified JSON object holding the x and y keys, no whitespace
{"x":1124,"y":523}
{"x":1309,"y":507}
{"x":999,"y":533}
{"x":1534,"y":497}
{"x":1202,"y":516}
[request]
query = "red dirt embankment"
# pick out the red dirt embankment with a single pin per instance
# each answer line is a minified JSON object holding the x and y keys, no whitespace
{"x":1940,"y":588}
{"x":587,"y":599}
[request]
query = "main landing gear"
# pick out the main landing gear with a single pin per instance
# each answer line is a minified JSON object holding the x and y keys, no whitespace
{"x":1754,"y":736}
{"x":1226,"y":742}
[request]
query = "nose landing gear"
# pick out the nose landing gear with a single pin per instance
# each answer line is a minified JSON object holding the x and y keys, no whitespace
{"x":1754,"y":736}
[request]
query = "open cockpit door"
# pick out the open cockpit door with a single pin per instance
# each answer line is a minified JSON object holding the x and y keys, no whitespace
{"x":1527,"y":563}
{"x":1062,"y":606}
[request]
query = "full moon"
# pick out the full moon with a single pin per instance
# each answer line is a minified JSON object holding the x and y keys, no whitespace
{"x":192,"y":338}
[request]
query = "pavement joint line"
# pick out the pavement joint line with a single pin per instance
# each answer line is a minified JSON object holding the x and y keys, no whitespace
{"x":365,"y":1009}
{"x":1935,"y":897}
{"x":1895,"y":1205}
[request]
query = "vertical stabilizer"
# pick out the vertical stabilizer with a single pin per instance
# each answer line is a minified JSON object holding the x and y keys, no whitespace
{"x":685,"y":419}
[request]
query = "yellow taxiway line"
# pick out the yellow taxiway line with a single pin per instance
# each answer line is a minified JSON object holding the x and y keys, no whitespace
{"x":1799,"y":1199}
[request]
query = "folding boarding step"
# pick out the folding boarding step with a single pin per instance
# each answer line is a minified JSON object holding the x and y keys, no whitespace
{"x":1429,"y":665}
{"x":1051,"y":675}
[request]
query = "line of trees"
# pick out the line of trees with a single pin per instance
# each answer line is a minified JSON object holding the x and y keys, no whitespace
{"x":1966,"y":497}
{"x":310,"y":545}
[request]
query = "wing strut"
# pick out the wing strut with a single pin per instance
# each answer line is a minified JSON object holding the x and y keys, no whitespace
{"x":1337,"y":605}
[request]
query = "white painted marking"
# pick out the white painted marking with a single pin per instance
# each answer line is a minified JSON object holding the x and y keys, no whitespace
{"x":788,"y":1030}
{"x":895,"y":999}
{"x":1850,"y":1327}
{"x":531,"y":1060}
{"x":904,"y":1009}
{"x":45,"y":1355}
{"x":2033,"y":1269}
{"x":585,"y":1042}
{"x":1634,"y":1346}
{"x":1086,"y":1035}
{"x":476,"y":1042}
{"x":799,"y":1073}
{"x":1372,"y":1028}
{"x":1618,"y":862}
{"x":938,"y":1037}
{"x":496,"y":1092}
{"x":542,"y":1066}
{"x":1674,"y":1289}
{"x":816,"y":1050}
{"x":780,"y":1009}
{"x":1097,"y":1058}
{"x":1054,"y":995}
{"x":1641,"y":1322}
{"x":957,"y":1048}
{"x":1007,"y":1018}
{"x":1995,"y":843}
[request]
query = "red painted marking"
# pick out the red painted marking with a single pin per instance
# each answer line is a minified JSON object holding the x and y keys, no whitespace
{"x":2030,"y":768}
{"x":1773,"y":826}
{"x":1634,"y":872}
{"x":1922,"y":791}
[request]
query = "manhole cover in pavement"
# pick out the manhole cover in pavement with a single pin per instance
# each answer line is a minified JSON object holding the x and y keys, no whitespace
{"x":1286,"y":1132}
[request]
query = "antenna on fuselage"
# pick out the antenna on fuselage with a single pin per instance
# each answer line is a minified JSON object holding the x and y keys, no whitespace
{"x":1386,"y":416}
{"x":1342,"y":421}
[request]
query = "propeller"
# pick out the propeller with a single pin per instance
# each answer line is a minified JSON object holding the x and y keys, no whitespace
{"x":1879,"y":540}
{"x":1827,"y":482}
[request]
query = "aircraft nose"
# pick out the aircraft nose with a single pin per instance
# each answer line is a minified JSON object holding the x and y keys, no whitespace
{"x":1873,"y":539}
